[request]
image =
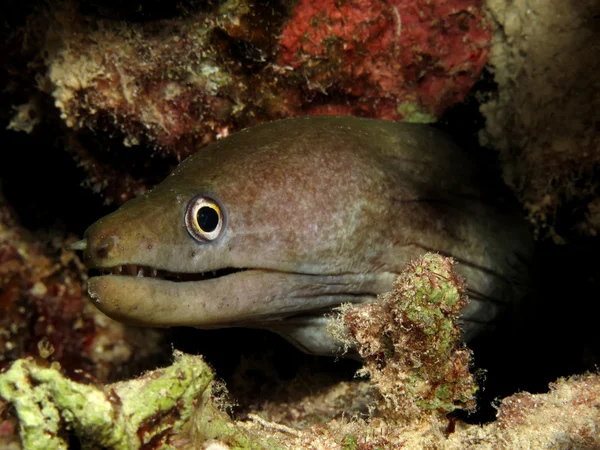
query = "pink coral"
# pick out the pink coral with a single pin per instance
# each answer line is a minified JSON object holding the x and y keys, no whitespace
{"x":427,"y":54}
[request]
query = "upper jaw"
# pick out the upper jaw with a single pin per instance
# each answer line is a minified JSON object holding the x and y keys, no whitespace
{"x":141,"y":271}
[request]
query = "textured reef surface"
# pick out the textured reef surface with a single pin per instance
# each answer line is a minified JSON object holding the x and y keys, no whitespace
{"x":175,"y":84}
{"x":100,"y":102}
{"x":544,"y":117}
{"x":421,"y":314}
{"x":125,"y":415}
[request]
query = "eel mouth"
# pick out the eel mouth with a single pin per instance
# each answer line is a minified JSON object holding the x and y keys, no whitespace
{"x":137,"y":295}
{"x":139,"y":271}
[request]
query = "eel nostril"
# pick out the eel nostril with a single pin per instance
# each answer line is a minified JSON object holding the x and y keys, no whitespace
{"x":105,"y":246}
{"x":102,"y":252}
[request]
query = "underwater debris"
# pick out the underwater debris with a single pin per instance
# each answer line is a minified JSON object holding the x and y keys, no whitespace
{"x":410,"y":341}
{"x":26,"y":117}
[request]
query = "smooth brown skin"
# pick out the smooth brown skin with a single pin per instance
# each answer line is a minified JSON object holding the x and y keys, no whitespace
{"x":323,"y":211}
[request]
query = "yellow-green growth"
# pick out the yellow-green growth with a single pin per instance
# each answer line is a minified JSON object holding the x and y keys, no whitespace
{"x":209,"y":422}
{"x":122,"y":416}
{"x":42,"y":398}
{"x":411,"y":112}
{"x":410,"y":341}
{"x":350,"y":442}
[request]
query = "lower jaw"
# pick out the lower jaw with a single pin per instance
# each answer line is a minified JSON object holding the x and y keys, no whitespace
{"x":236,"y":299}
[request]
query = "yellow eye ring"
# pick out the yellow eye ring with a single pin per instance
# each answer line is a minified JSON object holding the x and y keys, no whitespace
{"x":204,"y":218}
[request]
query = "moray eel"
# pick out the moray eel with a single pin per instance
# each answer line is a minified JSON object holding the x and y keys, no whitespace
{"x":274,"y":226}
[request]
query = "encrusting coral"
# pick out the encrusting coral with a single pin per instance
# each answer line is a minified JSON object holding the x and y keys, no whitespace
{"x":143,"y":413}
{"x":401,"y":59}
{"x":410,"y":341}
{"x":175,"y":85}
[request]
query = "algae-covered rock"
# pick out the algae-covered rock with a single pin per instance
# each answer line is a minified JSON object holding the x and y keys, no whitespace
{"x":211,"y":426}
{"x":565,"y":418}
{"x":410,"y":340}
{"x":167,"y":80}
{"x":142,"y":413}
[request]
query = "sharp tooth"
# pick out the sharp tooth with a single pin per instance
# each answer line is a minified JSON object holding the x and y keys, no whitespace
{"x":140,"y":272}
{"x":214,"y":273}
{"x":119,"y":269}
{"x":154,"y":273}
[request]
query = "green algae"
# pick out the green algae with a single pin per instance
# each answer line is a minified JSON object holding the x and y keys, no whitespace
{"x":410,"y":341}
{"x":211,"y":423}
{"x":412,"y":113}
{"x":140,"y":413}
{"x":350,"y":442}
{"x":43,"y":398}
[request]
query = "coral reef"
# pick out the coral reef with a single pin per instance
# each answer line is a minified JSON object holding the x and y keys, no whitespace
{"x":320,"y":404}
{"x":142,"y":413}
{"x":42,"y":299}
{"x":128,"y":91}
{"x":410,"y":341}
{"x":564,"y":418}
{"x":400,"y":59}
{"x":177,"y":84}
{"x":545,"y":113}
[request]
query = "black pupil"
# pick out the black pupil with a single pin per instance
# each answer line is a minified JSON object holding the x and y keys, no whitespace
{"x":208,"y":219}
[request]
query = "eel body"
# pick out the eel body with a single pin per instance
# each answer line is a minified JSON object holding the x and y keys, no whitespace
{"x":275,"y":225}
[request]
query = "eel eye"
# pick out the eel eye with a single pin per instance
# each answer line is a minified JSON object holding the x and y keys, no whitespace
{"x":204,"y":218}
